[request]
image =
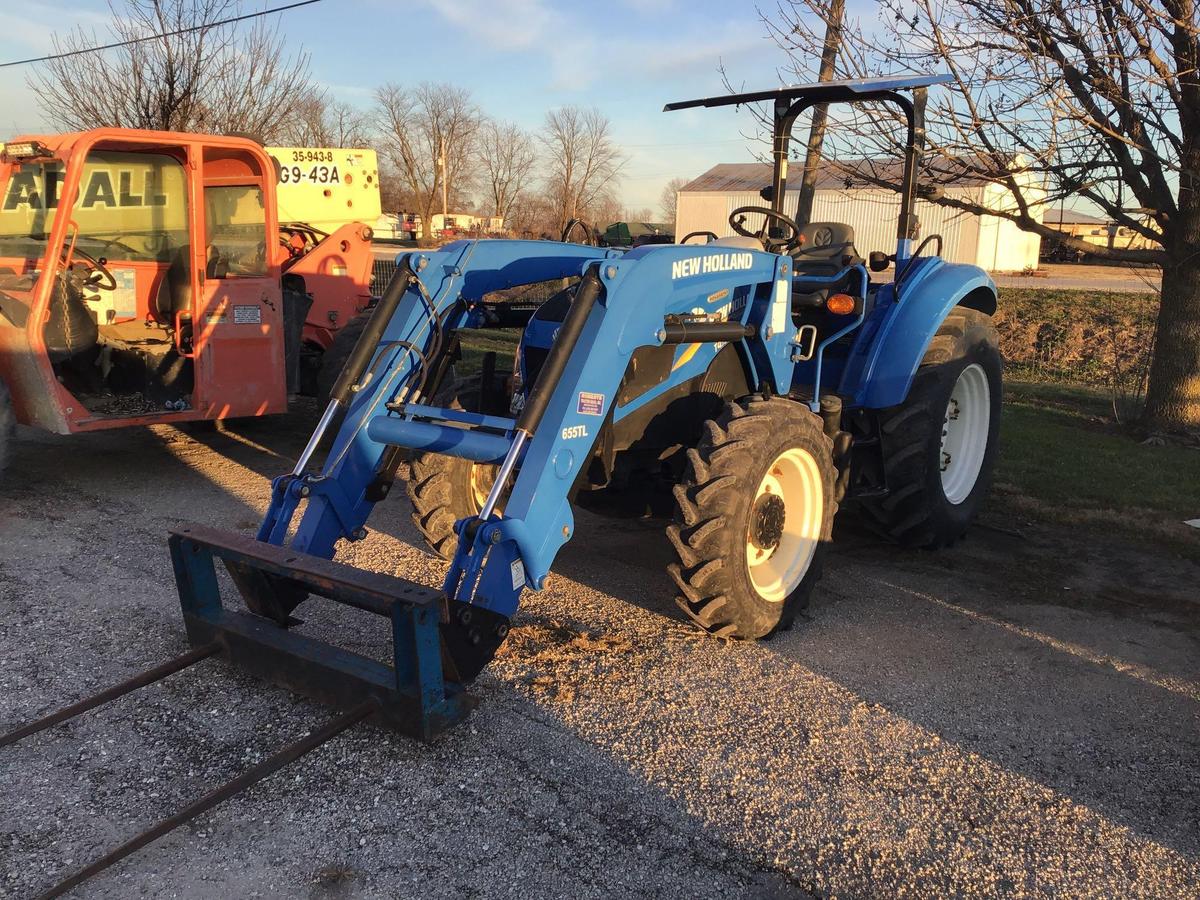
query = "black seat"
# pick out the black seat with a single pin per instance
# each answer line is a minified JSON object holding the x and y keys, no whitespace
{"x":71,"y":329}
{"x":175,"y":289}
{"x":826,"y":248}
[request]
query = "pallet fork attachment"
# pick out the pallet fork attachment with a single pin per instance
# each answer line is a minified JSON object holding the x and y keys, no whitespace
{"x":420,"y":694}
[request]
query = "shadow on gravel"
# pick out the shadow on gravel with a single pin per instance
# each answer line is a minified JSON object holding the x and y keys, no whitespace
{"x":1016,"y":649}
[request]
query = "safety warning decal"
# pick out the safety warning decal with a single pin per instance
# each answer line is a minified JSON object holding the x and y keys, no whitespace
{"x":247,"y":315}
{"x":517,"y":570}
{"x":590,"y":404}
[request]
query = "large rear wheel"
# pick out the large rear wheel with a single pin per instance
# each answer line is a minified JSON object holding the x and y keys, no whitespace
{"x":754,"y":515}
{"x":940,"y":444}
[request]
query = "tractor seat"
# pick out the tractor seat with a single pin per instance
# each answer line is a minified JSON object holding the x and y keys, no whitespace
{"x":826,"y":248}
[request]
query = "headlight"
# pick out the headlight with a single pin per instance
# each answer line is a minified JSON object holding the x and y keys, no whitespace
{"x":24,"y":150}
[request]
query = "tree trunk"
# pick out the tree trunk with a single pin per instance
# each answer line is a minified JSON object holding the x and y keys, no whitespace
{"x":1173,"y":393}
{"x":820,"y":113}
{"x":427,"y":207}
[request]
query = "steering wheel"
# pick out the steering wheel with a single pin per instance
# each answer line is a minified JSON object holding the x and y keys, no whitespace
{"x":708,"y":234}
{"x":737,"y":220}
{"x":100,"y":277}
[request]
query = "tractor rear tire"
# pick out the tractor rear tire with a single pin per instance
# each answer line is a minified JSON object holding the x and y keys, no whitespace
{"x":8,"y":426}
{"x":444,"y":489}
{"x":753,"y":518}
{"x":940,"y":444}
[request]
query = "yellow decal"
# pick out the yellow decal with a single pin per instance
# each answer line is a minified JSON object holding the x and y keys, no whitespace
{"x":685,"y":357}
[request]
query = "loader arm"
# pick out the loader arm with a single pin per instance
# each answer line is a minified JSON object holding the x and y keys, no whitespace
{"x":697,"y":298}
{"x":628,"y":309}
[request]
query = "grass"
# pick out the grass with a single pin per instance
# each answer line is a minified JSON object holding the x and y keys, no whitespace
{"x":1062,"y":458}
{"x":478,"y":341}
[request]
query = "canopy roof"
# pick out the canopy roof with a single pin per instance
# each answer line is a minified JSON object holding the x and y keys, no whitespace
{"x":823,"y":91}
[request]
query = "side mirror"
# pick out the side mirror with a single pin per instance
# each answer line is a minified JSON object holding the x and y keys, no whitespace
{"x":879,"y":261}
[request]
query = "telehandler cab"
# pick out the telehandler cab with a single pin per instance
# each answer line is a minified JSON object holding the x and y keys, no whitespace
{"x":146,"y":277}
{"x":762,"y":376}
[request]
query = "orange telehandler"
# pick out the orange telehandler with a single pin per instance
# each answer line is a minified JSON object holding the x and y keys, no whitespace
{"x":146,"y":277}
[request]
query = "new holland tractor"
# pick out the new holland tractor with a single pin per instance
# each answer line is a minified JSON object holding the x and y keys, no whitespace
{"x":155,"y":277}
{"x":763,"y":379}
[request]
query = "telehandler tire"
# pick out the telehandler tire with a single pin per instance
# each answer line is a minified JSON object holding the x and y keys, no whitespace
{"x":939,"y":445}
{"x":444,"y":489}
{"x":339,"y":350}
{"x":753,"y":517}
{"x":8,"y":426}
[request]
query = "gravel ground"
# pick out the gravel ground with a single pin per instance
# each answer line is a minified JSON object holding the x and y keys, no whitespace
{"x":1015,"y":717}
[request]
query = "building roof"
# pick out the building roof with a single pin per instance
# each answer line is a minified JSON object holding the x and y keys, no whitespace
{"x":840,"y":175}
{"x":1056,"y":216}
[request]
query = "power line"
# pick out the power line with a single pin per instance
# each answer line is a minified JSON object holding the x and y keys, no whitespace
{"x":153,"y":37}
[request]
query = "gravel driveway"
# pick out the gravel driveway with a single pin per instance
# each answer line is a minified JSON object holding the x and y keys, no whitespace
{"x":1019,"y":716}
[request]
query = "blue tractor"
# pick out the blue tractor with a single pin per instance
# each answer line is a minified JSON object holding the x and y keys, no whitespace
{"x":754,"y":382}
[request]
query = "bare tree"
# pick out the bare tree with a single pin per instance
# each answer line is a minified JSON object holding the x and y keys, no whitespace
{"x":427,"y":138}
{"x":834,"y":15}
{"x":583,"y":161}
{"x":1095,"y":99}
{"x":506,"y":157}
{"x":212,"y":78}
{"x":320,"y":122}
{"x":668,"y":202}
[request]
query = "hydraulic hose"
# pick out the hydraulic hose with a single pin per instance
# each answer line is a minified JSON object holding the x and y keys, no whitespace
{"x":560,"y":353}
{"x":368,"y":341}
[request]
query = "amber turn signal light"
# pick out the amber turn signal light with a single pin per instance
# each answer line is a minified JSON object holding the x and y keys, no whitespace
{"x":840,"y":304}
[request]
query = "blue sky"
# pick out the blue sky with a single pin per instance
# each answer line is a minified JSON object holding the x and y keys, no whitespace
{"x":517,"y":57}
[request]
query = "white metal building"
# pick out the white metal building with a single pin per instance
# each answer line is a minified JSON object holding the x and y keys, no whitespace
{"x":989,"y":242}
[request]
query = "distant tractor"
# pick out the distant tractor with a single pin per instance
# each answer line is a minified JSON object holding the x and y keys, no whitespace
{"x":155,"y":277}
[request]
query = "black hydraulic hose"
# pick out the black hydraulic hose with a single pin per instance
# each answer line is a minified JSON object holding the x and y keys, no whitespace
{"x":917,"y":253}
{"x":368,"y":341}
{"x":560,"y":353}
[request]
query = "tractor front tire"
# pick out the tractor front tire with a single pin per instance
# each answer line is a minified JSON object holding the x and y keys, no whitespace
{"x":8,"y":425}
{"x":753,"y":517}
{"x":940,"y":444}
{"x":444,"y":489}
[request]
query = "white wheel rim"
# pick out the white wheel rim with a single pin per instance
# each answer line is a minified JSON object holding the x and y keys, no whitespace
{"x":965,"y":433}
{"x":777,"y":571}
{"x":482,"y":479}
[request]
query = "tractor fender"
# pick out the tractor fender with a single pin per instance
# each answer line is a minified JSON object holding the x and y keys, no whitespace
{"x":886,"y":366}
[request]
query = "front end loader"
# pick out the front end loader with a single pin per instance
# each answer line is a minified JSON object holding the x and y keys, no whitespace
{"x":760,"y":381}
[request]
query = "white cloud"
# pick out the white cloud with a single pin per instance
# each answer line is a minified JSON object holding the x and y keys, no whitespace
{"x":581,"y":61}
{"x":502,"y":24}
